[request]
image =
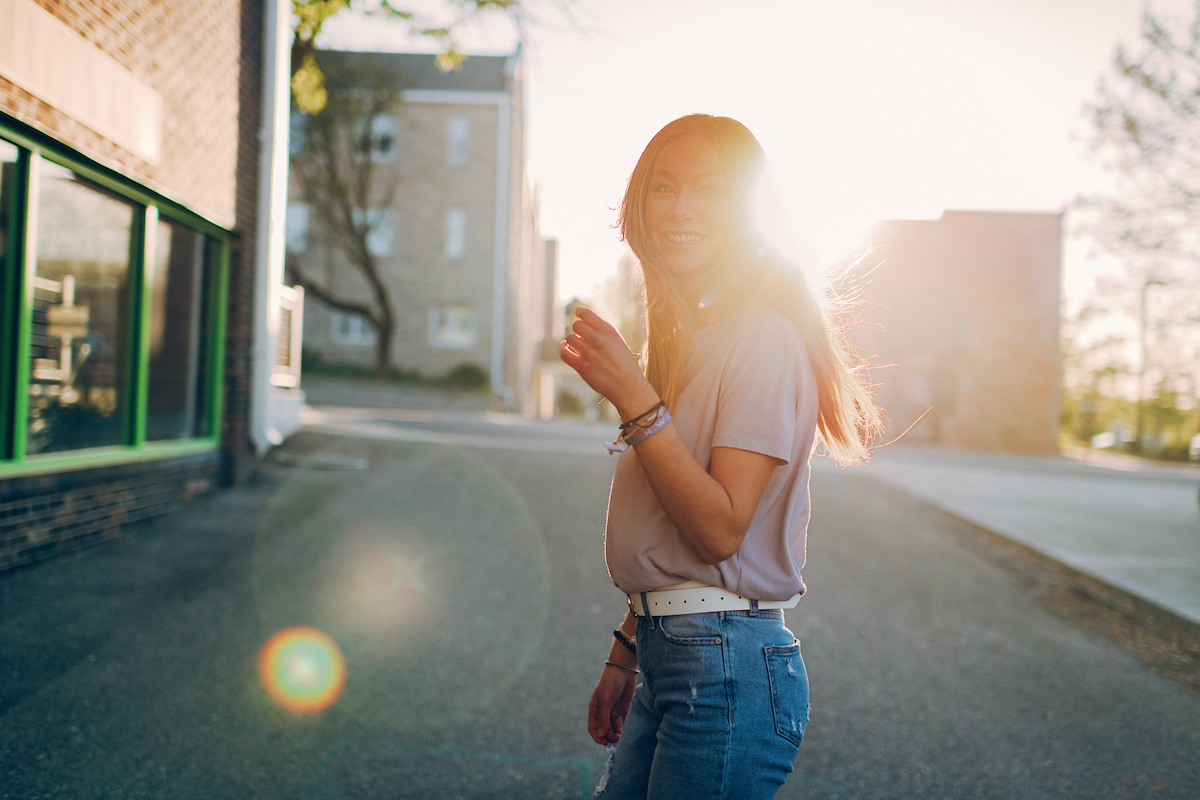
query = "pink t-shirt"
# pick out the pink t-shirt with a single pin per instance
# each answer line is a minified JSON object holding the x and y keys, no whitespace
{"x":749,"y":386}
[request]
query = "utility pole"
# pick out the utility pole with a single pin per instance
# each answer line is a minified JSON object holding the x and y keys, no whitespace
{"x":1141,"y":406}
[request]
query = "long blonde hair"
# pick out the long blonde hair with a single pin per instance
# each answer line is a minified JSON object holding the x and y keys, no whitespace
{"x":847,"y":417}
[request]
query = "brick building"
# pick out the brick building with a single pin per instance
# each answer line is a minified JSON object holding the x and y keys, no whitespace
{"x":962,"y":318}
{"x":134,"y":204}
{"x":460,"y":251}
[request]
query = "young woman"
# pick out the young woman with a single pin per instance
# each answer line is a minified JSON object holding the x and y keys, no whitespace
{"x":709,"y":504}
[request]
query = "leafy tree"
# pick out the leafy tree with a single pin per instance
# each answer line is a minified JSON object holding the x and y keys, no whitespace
{"x":350,"y":188}
{"x":310,"y":16}
{"x":1145,"y":131}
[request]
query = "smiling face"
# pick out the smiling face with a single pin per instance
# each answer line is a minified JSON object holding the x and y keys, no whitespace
{"x":689,"y":208}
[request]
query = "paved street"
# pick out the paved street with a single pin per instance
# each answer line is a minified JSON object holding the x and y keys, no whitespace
{"x":461,"y":573}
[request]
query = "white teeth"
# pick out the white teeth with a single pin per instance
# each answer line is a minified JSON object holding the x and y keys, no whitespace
{"x":683,"y":238}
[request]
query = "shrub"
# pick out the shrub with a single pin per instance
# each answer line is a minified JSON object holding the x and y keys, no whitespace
{"x":568,"y":402}
{"x":466,"y":376}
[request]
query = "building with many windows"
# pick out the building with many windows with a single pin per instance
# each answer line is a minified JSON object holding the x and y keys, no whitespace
{"x":459,"y":248}
{"x":139,"y":314}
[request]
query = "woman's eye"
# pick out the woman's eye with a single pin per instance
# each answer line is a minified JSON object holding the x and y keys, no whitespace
{"x":662,"y":188}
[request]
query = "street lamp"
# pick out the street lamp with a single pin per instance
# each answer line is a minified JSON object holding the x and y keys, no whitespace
{"x":1141,"y":406}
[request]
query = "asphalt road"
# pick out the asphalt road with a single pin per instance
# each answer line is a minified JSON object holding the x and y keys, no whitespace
{"x":463,"y":579}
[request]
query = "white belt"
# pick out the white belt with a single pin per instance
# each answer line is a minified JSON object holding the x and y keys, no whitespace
{"x":696,"y":598}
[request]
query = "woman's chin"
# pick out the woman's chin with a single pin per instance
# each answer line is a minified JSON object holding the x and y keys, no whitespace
{"x":683,"y":267}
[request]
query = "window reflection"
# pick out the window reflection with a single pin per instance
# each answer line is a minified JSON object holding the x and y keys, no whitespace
{"x":178,"y":331}
{"x":78,"y":336}
{"x":8,"y":185}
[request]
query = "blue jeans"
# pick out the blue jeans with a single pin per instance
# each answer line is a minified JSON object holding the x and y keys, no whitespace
{"x":719,"y":713}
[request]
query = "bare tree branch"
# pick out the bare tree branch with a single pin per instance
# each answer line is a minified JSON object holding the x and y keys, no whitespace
{"x":298,"y":278}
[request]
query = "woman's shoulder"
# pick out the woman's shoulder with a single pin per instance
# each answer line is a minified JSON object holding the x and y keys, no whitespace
{"x":763,"y":326}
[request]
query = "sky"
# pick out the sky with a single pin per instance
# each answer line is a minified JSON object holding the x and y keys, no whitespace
{"x":867,"y":109}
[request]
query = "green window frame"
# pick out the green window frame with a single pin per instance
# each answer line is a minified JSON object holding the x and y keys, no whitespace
{"x":18,"y":263}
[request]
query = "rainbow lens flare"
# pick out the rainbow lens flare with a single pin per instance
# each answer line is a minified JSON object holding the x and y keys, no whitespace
{"x":302,"y":669}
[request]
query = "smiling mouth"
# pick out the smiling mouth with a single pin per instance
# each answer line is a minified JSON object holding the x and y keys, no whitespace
{"x":683,"y":238}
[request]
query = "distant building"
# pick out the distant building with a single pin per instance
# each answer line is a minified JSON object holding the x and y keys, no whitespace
{"x":962,"y":320}
{"x":468,"y":271}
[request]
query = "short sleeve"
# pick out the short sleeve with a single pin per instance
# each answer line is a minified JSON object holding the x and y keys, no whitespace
{"x":761,"y":389}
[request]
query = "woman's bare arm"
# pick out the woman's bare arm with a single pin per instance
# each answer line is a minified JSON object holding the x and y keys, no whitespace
{"x":712,"y":510}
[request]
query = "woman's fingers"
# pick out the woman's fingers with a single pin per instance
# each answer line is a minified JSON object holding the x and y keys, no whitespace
{"x":600,"y":726}
{"x":589,"y":317}
{"x":567,"y":352}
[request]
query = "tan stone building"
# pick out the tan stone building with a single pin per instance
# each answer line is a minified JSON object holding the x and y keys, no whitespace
{"x":462,"y":257}
{"x":962,"y":320}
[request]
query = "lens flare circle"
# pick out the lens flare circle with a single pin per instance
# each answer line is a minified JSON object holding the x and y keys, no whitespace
{"x":302,"y":669}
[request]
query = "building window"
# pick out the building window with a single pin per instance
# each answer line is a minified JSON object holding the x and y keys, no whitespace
{"x":378,"y":222}
{"x":378,"y":137}
{"x":81,"y":315}
{"x":296,"y":227}
{"x":296,"y":138}
{"x":452,"y":326}
{"x":352,"y":329}
{"x":178,"y":285}
{"x":8,"y":188}
{"x":458,"y":136}
{"x":9,"y":303}
{"x":456,"y":233}
{"x":112,"y":336}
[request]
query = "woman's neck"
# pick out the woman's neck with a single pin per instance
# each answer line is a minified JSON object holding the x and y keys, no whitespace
{"x":715,"y":293}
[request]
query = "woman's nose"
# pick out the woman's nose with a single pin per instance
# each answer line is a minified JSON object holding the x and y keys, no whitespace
{"x":685,"y":207}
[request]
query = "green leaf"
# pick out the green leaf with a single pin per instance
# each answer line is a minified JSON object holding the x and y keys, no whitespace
{"x":308,"y":87}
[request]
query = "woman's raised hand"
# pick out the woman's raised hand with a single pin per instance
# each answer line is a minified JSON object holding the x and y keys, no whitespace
{"x":598,"y":352}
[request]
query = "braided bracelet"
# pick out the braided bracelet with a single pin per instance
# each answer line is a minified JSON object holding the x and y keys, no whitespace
{"x":625,"y":640}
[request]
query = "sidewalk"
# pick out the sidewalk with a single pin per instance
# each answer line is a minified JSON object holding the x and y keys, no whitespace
{"x":322,"y":390}
{"x":1129,"y":523}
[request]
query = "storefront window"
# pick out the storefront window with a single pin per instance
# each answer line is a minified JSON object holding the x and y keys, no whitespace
{"x":178,"y":287}
{"x":8,"y":285}
{"x":8,"y":177}
{"x":80,"y":322}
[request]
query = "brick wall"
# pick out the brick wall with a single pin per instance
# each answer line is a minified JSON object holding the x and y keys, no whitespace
{"x":190,"y":52}
{"x":237,"y":458}
{"x":42,"y":516}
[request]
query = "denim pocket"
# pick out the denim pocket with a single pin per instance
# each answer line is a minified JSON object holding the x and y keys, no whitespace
{"x":692,"y":630}
{"x":789,"y":690}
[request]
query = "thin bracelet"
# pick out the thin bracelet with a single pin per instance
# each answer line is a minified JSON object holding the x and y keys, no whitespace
{"x":633,"y":420}
{"x":622,"y":666}
{"x":620,"y":636}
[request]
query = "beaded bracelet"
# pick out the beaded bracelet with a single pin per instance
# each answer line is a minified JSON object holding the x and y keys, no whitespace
{"x":625,"y":640}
